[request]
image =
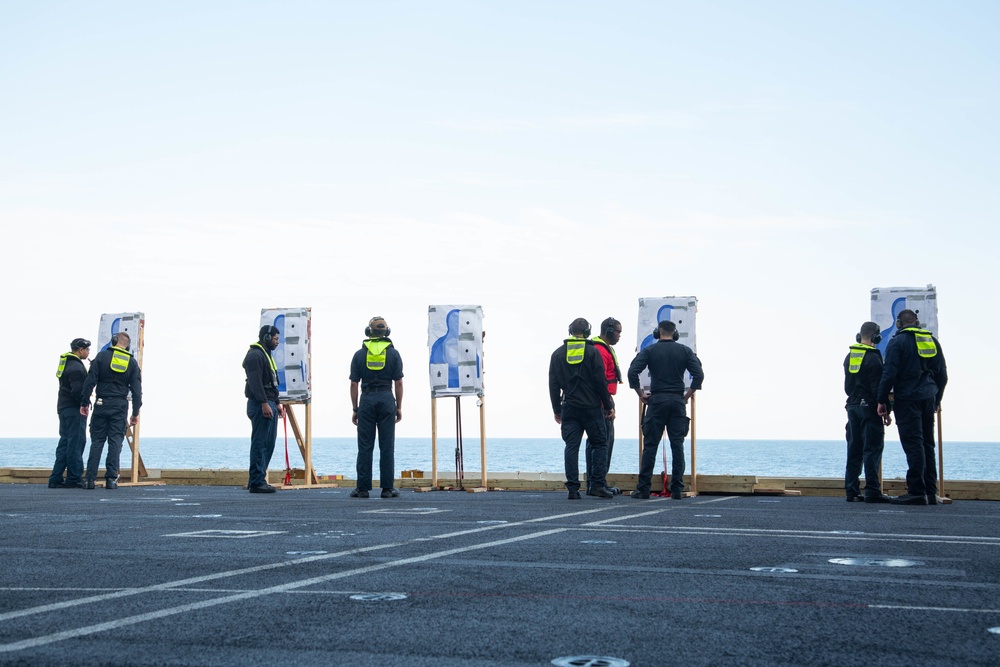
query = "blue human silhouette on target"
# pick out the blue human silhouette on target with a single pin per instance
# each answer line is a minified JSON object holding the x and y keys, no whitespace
{"x":887,"y":333}
{"x":664,"y":313}
{"x":115,"y":327}
{"x":445,"y":349}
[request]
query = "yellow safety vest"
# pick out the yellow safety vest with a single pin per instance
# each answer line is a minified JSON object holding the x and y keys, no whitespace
{"x":62,"y":363}
{"x":857,"y":357}
{"x":925,"y":342}
{"x":575,"y":348}
{"x":598,"y":339}
{"x":119,"y":359}
{"x":375,"y":359}
{"x":270,"y":361}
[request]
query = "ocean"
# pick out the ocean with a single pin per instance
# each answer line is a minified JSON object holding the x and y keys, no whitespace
{"x":763,"y":458}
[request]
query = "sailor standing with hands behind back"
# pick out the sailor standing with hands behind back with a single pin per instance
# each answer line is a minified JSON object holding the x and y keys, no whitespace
{"x":666,"y":405}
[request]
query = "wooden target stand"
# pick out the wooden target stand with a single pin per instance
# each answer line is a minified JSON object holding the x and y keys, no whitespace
{"x":665,"y":442}
{"x":484,"y":483}
{"x":303,"y":438}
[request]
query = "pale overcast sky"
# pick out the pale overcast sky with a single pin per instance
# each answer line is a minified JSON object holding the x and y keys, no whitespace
{"x":198,"y":161}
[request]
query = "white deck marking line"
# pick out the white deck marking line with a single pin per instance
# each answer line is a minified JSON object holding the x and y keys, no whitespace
{"x":499,"y":526}
{"x":126,"y":592}
{"x":623,"y":518}
{"x":782,"y":534}
{"x":915,"y":608}
{"x":665,"y":509}
{"x":972,"y":539}
{"x":171,"y":611}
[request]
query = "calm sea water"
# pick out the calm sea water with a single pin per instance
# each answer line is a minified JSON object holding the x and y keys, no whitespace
{"x":765,"y":458}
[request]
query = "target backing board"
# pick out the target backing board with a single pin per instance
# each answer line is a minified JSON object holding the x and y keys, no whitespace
{"x":681,"y":310}
{"x":888,"y":301}
{"x":455,"y":346}
{"x":293,"y":356}
{"x":130,"y":323}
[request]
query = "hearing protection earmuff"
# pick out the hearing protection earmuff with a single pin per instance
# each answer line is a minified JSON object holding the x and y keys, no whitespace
{"x":370,"y":332}
{"x":585,"y":332}
{"x":114,"y":340}
{"x":675,"y":336}
{"x":899,"y":325}
{"x":266,"y":333}
{"x":610,"y":329}
{"x":876,"y":337}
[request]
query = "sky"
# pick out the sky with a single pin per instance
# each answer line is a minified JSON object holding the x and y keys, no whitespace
{"x":198,"y":162}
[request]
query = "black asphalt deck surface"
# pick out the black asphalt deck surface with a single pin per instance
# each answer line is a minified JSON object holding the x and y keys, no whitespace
{"x":182,"y":575}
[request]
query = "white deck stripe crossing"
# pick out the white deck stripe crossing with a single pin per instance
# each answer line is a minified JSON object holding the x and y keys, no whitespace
{"x":55,"y":606}
{"x":171,"y":611}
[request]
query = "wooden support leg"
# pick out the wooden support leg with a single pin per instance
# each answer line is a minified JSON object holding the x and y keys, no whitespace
{"x":303,"y":443}
{"x":138,"y":467}
{"x":434,"y":443}
{"x":694,"y":448}
{"x":482,"y":440}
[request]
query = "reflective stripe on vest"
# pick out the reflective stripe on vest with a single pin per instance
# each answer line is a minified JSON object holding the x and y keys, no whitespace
{"x":270,"y":362}
{"x":375,"y":359}
{"x":575,"y":348}
{"x":857,"y":357}
{"x":119,"y":359}
{"x":62,"y":363}
{"x":925,"y":342}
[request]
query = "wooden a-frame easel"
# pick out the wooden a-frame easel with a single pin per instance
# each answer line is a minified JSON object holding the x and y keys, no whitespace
{"x":303,"y":438}
{"x":481,"y":402}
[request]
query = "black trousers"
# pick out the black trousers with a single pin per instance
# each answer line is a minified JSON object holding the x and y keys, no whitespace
{"x":609,"y":431}
{"x":108,"y":424}
{"x":376,"y":414}
{"x":915,"y":423}
{"x":575,"y":422}
{"x":865,"y":442}
{"x":664,"y":411}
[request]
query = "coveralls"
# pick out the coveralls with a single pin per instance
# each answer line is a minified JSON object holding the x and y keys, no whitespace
{"x":665,"y":408}
{"x":613,"y":374}
{"x":865,"y":430}
{"x":916,"y":373}
{"x":261,"y":387}
{"x":376,"y":366}
{"x":115,"y":373}
{"x":579,"y":395}
{"x":72,"y":375}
